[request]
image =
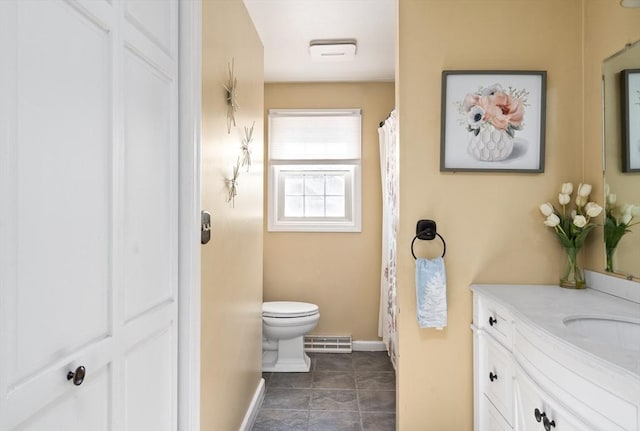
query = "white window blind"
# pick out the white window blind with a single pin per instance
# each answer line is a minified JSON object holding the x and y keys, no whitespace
{"x":314,"y":135}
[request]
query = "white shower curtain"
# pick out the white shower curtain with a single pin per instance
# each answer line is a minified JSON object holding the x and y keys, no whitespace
{"x":389,"y":165}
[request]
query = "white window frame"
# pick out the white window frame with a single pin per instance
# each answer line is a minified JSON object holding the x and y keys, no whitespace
{"x":276,"y":222}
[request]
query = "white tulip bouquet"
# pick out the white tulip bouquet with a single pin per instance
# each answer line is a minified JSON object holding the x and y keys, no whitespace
{"x":617,"y":223}
{"x":572,"y":227}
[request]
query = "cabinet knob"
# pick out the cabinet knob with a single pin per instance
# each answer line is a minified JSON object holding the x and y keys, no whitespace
{"x":77,"y":375}
{"x":493,"y":377}
{"x":492,"y":321}
{"x":538,"y":415}
{"x":548,"y":424}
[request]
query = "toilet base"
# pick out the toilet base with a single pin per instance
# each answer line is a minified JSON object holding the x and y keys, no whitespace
{"x":289,"y":358}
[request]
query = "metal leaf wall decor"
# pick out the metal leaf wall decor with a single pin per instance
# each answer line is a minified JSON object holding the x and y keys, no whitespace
{"x":232,"y":184}
{"x":247,"y":138}
{"x":231,"y":96}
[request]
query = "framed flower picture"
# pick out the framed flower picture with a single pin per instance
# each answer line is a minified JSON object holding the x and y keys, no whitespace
{"x":630,"y":80}
{"x":493,"y":121}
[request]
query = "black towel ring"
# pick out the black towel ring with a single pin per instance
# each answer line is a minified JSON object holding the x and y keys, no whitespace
{"x":426,"y":230}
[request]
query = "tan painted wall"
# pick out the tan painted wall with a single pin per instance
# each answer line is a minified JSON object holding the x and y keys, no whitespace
{"x":491,"y":222}
{"x":338,"y":271}
{"x":232,"y":261}
{"x":608,"y":28}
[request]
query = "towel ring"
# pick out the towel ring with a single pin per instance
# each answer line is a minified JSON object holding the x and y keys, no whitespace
{"x":426,"y":230}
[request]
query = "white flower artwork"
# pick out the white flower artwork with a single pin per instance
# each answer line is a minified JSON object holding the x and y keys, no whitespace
{"x":493,"y":121}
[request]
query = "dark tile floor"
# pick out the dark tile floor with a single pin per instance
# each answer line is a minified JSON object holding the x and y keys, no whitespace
{"x":343,"y":392}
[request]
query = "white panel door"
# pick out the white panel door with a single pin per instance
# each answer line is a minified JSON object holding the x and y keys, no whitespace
{"x":88,"y":214}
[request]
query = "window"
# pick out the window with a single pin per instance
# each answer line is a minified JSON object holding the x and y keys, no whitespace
{"x":314,"y":170}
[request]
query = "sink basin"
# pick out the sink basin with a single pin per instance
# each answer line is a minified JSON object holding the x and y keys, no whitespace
{"x":611,"y":331}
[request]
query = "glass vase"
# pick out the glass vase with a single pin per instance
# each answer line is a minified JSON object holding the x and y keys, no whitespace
{"x":573,"y":276}
{"x":610,"y":251}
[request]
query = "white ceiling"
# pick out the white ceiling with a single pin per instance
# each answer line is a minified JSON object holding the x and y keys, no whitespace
{"x":287,"y":26}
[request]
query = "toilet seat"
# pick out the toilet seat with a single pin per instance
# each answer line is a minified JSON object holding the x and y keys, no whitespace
{"x":288,"y":309}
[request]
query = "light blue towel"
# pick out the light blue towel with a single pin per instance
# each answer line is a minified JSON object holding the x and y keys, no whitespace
{"x":431,"y":293}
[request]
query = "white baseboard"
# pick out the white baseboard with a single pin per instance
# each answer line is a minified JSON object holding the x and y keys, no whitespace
{"x":369,"y":346}
{"x":252,"y":411}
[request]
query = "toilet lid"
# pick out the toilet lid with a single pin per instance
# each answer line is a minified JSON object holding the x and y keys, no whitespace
{"x":288,"y":309}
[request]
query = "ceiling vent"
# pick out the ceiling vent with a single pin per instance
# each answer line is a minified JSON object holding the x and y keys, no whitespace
{"x":328,"y":50}
{"x":630,"y":3}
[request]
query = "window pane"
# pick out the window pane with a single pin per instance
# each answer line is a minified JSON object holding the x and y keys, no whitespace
{"x":293,"y":206}
{"x":335,"y":185}
{"x":314,"y":206}
{"x":335,"y":206}
{"x":314,"y":197}
{"x":293,"y":185}
{"x":314,"y":185}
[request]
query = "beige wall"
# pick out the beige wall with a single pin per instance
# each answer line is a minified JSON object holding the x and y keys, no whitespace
{"x":338,"y":271}
{"x":232,"y":261}
{"x":608,"y":28}
{"x":491,"y":222}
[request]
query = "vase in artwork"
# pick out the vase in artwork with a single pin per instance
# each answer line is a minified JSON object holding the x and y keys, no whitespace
{"x":490,"y":144}
{"x":573,"y":275}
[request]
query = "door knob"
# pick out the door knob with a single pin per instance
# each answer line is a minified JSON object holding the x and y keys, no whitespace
{"x":77,"y":375}
{"x":493,"y":376}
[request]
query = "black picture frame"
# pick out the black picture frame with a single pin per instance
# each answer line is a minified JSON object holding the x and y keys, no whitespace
{"x":630,"y":97}
{"x":493,"y":121}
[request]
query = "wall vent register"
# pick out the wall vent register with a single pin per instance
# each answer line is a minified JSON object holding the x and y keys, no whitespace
{"x":328,"y":344}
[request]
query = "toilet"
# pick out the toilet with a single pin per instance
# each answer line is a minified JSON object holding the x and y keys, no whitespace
{"x":284,"y":325}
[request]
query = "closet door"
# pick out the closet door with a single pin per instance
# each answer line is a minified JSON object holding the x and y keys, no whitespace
{"x":147,"y":215}
{"x":88,"y":221}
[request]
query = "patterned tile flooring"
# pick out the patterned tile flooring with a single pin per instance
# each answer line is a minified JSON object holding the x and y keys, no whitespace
{"x":343,"y":392}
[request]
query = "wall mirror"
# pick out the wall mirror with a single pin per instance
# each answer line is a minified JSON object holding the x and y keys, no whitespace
{"x":621,"y":136}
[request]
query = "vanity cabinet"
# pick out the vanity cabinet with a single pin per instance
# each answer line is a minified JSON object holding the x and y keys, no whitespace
{"x":532,"y":373}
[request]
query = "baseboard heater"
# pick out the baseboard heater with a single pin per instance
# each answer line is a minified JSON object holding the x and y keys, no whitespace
{"x":328,"y":344}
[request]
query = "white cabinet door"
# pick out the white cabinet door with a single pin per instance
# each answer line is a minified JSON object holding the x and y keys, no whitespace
{"x":88,"y":214}
{"x":538,"y":411}
{"x":495,"y":375}
{"x":490,"y":418}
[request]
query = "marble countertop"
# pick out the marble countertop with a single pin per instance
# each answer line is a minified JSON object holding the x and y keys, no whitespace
{"x":547,"y":307}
